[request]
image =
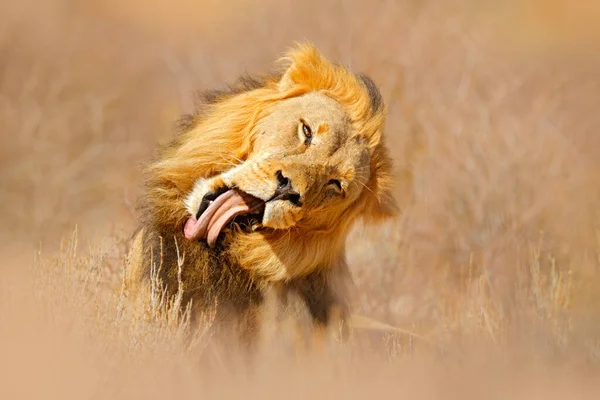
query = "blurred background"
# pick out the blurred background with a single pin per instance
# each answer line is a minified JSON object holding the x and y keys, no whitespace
{"x":493,"y":126}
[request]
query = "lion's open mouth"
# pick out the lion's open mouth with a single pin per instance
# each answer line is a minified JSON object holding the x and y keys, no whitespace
{"x":231,"y":205}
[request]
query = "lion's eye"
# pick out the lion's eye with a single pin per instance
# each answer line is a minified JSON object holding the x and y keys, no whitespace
{"x":335,"y":183}
{"x":307,"y":132}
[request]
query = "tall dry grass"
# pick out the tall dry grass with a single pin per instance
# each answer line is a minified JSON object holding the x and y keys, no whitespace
{"x":491,"y":274}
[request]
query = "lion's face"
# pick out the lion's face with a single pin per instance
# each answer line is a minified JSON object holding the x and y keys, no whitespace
{"x":307,"y":170}
{"x":308,"y":166}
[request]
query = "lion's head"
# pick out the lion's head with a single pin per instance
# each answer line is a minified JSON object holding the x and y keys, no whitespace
{"x":312,"y":167}
{"x":300,"y":153}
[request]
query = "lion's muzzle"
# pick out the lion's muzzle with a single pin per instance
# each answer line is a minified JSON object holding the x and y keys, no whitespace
{"x":221,"y":207}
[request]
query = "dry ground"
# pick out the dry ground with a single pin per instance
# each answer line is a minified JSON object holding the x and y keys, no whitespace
{"x":493,"y":270}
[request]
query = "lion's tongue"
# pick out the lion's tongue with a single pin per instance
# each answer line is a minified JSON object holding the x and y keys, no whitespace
{"x":218,"y":214}
{"x":197,"y":229}
{"x":221,"y":219}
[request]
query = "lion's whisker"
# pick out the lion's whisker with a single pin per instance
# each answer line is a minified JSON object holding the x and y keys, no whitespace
{"x":229,"y":162}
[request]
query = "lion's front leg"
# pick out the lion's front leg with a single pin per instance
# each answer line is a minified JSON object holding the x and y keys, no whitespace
{"x":328,"y":310}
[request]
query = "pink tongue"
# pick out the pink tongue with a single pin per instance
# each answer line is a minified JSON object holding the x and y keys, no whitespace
{"x":223,"y":219}
{"x":197,"y":229}
{"x":190,"y":228}
{"x":218,"y":214}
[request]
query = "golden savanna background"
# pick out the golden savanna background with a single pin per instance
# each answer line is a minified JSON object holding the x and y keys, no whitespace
{"x":491,"y":274}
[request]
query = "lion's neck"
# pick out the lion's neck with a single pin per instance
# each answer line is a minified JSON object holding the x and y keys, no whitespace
{"x":280,"y":256}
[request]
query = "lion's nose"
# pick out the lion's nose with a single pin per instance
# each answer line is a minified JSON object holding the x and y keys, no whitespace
{"x":285,"y":190}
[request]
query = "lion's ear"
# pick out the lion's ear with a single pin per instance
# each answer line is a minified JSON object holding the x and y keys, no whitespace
{"x":381,"y":203}
{"x":381,"y":206}
{"x":286,"y":81}
{"x":305,"y":65}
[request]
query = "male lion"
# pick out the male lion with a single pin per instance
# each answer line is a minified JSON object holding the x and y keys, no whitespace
{"x":259,"y":190}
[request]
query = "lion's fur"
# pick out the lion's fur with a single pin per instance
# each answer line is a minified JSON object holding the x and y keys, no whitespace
{"x":238,"y":271}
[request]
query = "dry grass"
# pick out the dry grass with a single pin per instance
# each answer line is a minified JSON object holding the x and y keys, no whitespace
{"x":492,"y":272}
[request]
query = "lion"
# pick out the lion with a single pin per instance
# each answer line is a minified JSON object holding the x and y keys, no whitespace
{"x":260,"y":188}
